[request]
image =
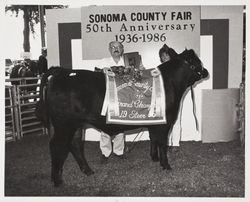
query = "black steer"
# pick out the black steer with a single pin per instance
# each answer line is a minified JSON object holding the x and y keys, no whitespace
{"x":72,"y":98}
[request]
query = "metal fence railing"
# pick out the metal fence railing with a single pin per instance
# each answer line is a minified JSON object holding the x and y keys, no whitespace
{"x":10,"y":110}
{"x":21,"y":100}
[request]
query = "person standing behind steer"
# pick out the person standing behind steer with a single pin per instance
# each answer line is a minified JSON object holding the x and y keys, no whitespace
{"x":116,"y":50}
{"x":42,"y":62}
{"x":166,"y":53}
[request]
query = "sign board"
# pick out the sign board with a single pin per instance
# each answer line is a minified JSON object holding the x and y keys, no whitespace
{"x":139,"y":28}
{"x":219,"y":115}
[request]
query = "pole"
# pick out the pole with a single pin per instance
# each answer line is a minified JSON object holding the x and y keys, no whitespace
{"x":41,"y":18}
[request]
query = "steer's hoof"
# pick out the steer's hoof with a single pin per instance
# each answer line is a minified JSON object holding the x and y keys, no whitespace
{"x":58,"y":183}
{"x":155,"y":158}
{"x":88,"y":172}
{"x":168,"y":167}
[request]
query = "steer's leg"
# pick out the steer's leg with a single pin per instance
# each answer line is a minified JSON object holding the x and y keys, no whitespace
{"x":158,"y":144}
{"x":162,"y":141}
{"x":163,"y":156}
{"x":59,"y":151}
{"x":154,"y":151}
{"x":77,"y":149}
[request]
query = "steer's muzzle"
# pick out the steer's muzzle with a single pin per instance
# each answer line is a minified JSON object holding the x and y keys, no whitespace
{"x":204,"y":73}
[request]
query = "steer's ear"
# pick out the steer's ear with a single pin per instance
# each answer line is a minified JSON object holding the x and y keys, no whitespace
{"x":191,"y":54}
{"x":165,"y":47}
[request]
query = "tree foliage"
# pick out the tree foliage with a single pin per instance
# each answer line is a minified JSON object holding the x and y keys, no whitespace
{"x":30,"y":17}
{"x":32,"y":10}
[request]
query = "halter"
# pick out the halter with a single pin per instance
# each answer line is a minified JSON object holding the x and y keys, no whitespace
{"x":193,"y":67}
{"x":194,"y":109}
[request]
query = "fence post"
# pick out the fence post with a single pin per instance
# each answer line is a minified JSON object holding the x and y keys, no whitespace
{"x":16,"y":114}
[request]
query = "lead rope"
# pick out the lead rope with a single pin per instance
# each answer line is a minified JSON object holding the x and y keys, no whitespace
{"x":194,"y":108}
{"x":129,"y":149}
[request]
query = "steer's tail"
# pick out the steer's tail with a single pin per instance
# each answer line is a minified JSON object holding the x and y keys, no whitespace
{"x":41,"y":106}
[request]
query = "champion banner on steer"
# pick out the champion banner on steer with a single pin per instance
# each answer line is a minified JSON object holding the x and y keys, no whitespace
{"x":139,"y":28}
{"x":134,"y":100}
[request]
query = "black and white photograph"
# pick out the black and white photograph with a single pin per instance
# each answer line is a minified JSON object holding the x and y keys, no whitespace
{"x":120,"y":101}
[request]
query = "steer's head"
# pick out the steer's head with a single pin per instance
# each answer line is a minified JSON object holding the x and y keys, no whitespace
{"x":194,"y":65}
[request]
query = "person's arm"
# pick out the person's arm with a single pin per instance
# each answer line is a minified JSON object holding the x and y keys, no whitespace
{"x":141,"y":66}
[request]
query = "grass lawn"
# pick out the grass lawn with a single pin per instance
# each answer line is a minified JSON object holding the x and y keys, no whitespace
{"x":207,"y":170}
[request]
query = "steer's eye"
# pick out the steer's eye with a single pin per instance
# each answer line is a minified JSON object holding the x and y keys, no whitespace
{"x":192,"y":67}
